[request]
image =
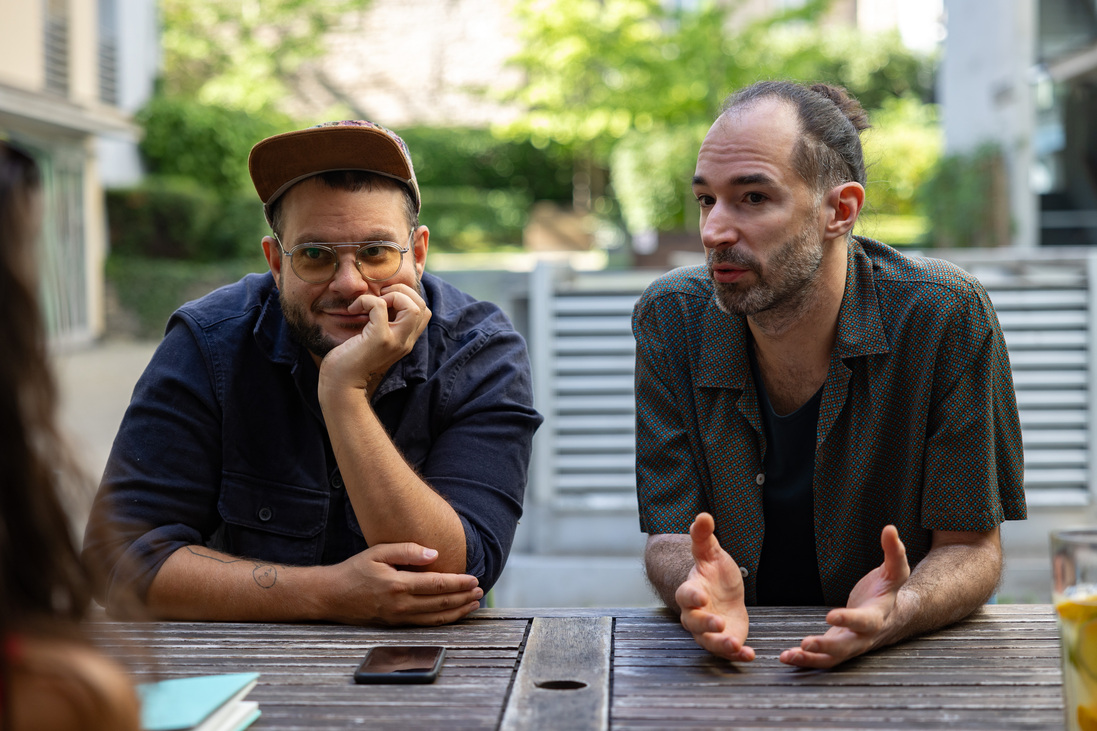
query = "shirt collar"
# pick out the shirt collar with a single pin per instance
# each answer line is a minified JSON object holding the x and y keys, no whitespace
{"x":860,"y":323}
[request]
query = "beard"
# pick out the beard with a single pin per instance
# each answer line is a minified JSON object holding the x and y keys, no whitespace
{"x":303,"y":328}
{"x":302,"y":322}
{"x":784,"y":291}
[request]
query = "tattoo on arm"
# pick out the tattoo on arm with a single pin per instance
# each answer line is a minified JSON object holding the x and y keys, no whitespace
{"x":265,"y":574}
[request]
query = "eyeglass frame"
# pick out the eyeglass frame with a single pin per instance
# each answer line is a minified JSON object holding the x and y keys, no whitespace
{"x":359,"y":245}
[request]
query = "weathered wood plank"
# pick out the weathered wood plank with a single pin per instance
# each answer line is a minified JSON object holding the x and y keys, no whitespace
{"x":563,"y":680}
{"x":998,"y":670}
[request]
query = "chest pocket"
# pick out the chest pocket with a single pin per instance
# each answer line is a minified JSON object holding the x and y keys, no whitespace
{"x":271,"y":521}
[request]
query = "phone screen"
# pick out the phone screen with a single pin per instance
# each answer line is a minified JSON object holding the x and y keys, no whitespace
{"x":401,"y":664}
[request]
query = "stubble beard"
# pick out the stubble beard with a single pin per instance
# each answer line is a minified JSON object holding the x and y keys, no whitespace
{"x":784,"y":294}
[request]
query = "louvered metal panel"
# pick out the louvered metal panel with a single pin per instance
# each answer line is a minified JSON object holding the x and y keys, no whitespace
{"x":584,"y":352}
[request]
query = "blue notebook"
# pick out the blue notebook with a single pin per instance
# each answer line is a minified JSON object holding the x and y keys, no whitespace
{"x":203,"y":703}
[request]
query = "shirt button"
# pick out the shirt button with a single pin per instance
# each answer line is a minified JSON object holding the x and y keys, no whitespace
{"x":337,"y":482}
{"x":760,"y":478}
{"x":265,"y":514}
{"x":744,"y":572}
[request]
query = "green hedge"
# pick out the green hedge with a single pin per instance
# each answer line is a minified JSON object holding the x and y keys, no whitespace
{"x":151,"y":289}
{"x":176,"y":218}
{"x":461,"y":157}
{"x":966,"y":201}
{"x":204,"y":142}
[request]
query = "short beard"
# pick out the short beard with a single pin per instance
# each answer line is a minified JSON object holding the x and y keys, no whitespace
{"x":784,"y":294}
{"x":305,"y":331}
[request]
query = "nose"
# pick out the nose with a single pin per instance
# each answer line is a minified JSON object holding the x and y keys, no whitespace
{"x":348,"y":282}
{"x":718,"y":227}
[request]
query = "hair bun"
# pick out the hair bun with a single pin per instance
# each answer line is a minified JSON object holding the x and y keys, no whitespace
{"x":849,"y":106}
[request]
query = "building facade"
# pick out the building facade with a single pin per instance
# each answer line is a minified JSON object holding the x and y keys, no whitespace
{"x":71,"y":73}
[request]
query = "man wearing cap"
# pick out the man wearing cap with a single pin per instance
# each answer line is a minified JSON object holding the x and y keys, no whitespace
{"x":344,"y":439}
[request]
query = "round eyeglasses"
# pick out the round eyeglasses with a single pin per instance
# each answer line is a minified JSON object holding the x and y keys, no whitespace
{"x":375,"y":260}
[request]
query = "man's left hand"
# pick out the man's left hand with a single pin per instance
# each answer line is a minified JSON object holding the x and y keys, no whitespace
{"x":864,"y":621}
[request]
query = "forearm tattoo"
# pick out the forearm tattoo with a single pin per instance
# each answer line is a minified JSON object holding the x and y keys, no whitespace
{"x":265,"y":574}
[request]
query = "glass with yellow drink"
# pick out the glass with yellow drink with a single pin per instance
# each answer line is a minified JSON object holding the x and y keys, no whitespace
{"x":1074,"y":591}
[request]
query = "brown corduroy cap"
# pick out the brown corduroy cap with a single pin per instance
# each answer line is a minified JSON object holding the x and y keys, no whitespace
{"x":278,"y":162}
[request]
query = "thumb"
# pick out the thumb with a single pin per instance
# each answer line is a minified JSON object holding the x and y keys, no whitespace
{"x":895,"y":554}
{"x":704,"y":544}
{"x":403,"y":554}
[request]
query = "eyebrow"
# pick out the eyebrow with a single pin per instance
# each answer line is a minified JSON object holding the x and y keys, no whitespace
{"x":310,"y":238}
{"x":752,"y":179}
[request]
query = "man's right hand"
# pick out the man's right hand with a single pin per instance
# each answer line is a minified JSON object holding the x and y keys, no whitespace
{"x":712,"y":598}
{"x":372,"y":587}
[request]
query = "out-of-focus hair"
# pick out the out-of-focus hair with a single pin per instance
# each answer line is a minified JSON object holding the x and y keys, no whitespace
{"x":44,"y":589}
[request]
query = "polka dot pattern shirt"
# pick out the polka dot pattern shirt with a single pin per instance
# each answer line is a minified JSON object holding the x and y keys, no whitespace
{"x":917,"y":427}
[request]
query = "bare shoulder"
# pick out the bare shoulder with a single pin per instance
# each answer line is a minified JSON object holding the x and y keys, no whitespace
{"x":64,"y":684}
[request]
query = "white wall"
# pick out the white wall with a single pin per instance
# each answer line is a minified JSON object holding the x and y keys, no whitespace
{"x":986,"y":93}
{"x":138,"y":65}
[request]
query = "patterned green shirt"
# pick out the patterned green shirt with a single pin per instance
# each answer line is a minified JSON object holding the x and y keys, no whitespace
{"x":917,"y":427}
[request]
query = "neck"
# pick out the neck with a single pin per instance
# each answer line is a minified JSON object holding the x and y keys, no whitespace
{"x":807,"y":326}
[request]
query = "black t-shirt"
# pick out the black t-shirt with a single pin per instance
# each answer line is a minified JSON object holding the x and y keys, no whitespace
{"x":788,"y":572}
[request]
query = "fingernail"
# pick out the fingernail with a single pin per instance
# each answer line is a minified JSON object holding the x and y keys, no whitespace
{"x":430,"y":553}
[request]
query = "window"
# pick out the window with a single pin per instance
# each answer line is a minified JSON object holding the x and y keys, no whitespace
{"x":56,"y":28}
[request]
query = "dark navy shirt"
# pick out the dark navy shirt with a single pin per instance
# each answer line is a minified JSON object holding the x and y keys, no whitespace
{"x":224,"y":443}
{"x":788,"y":570}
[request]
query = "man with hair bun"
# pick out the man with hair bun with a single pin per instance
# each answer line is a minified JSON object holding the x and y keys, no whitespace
{"x":821,"y":420}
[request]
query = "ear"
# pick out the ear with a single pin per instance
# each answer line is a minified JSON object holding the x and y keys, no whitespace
{"x":273,"y":253}
{"x":843,"y":204}
{"x":419,"y":249}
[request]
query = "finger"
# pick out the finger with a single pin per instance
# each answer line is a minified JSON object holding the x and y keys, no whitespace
{"x":861,"y":622}
{"x":703,"y":544}
{"x":431,"y":619}
{"x":802,"y":659}
{"x":699,"y":623}
{"x":691,"y":596}
{"x":433,"y":584}
{"x":400,"y":301}
{"x":895,"y":554}
{"x":403,"y":554}
{"x":725,"y":646}
{"x":364,"y":303}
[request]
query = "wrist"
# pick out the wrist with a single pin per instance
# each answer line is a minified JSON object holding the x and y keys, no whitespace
{"x":313,"y":592}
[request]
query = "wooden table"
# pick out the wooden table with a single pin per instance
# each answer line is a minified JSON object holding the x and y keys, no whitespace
{"x":619,"y":669}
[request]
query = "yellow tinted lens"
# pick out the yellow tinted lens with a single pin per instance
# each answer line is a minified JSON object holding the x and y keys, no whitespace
{"x":378,"y":262}
{"x":313,"y":263}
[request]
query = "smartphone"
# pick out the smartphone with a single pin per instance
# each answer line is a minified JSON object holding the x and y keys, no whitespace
{"x":401,"y":664}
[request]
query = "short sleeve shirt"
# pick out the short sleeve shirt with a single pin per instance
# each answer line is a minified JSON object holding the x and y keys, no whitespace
{"x":917,"y":425}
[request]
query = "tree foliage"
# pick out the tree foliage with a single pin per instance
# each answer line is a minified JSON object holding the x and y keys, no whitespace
{"x":208,"y":143}
{"x":634,"y":84}
{"x":243,"y":53}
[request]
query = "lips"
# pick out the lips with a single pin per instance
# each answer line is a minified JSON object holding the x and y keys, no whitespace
{"x":347,"y":319}
{"x":725,"y":274}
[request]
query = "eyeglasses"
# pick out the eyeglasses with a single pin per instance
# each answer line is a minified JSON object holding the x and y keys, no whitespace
{"x":375,"y":260}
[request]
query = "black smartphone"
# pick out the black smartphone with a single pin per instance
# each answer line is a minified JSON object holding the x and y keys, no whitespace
{"x":401,"y":664}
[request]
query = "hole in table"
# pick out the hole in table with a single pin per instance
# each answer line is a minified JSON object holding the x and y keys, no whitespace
{"x":561,"y":684}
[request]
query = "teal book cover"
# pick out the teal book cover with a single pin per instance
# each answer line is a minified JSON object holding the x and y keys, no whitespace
{"x":202,"y":703}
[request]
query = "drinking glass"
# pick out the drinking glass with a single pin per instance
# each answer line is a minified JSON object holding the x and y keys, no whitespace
{"x":1074,"y":592}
